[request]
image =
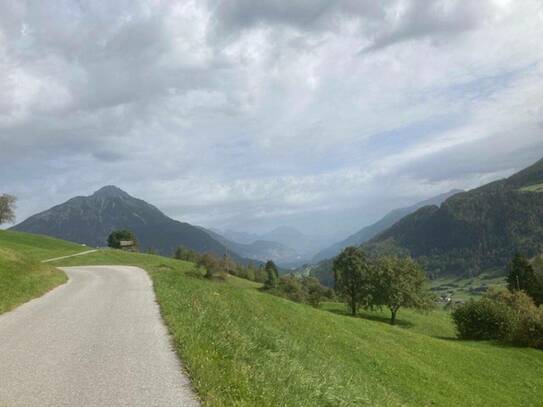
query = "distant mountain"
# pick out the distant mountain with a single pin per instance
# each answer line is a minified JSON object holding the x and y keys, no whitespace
{"x":261,"y":250}
{"x":473,"y":231}
{"x":91,"y":219}
{"x":292,"y":237}
{"x":384,"y":223}
{"x":239,"y":237}
{"x":289,"y":246}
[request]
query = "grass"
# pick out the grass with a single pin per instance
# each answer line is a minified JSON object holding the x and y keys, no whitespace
{"x":463,"y":288}
{"x":533,"y":188}
{"x":244,"y":347}
{"x":22,"y":275}
{"x":23,"y":278}
{"x":37,"y":246}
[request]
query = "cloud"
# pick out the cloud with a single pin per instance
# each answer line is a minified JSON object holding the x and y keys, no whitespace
{"x":436,"y":19}
{"x":246,"y":114}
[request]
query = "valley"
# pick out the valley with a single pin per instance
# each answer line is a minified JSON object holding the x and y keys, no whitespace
{"x":239,"y":346}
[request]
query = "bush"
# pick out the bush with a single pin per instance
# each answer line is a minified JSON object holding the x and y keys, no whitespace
{"x":307,"y":290}
{"x":291,"y":288}
{"x":510,"y":317}
{"x":484,"y":319}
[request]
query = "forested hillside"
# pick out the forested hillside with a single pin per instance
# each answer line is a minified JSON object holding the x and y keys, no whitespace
{"x":473,"y":231}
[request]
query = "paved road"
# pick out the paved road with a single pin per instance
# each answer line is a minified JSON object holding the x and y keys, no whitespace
{"x":96,"y":341}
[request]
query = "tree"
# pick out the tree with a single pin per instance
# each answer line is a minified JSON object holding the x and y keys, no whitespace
{"x":522,"y":277}
{"x":115,"y":238}
{"x":183,"y":253}
{"x":399,"y":282}
{"x":272,"y":275}
{"x":351,"y":276}
{"x":209,"y":263}
{"x":315,"y":291}
{"x":7,"y":208}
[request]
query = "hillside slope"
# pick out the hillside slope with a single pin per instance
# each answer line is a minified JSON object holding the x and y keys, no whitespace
{"x":473,"y":231}
{"x":369,"y":232}
{"x":38,"y":247}
{"x":91,"y":219}
{"x":244,"y":347}
{"x":22,"y":275}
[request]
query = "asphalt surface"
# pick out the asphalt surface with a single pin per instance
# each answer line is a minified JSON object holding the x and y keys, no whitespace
{"x":98,"y":340}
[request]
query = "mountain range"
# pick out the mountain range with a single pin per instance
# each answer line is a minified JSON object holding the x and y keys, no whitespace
{"x":469,"y":233}
{"x":473,"y":231}
{"x":90,"y":220}
{"x":369,"y":232}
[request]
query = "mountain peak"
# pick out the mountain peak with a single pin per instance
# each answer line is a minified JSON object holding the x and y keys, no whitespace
{"x":110,"y":191}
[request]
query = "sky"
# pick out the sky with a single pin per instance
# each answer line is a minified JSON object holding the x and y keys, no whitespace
{"x":245,"y":115}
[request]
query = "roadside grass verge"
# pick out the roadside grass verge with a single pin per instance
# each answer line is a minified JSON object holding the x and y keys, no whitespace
{"x":244,"y":347}
{"x":23,"y":278}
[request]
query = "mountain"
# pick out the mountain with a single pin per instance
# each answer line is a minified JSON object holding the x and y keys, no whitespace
{"x":261,"y":250}
{"x":91,"y":219}
{"x":239,"y":237}
{"x":384,"y":223}
{"x":473,"y":231}
{"x":292,"y":237}
{"x":290,"y":247}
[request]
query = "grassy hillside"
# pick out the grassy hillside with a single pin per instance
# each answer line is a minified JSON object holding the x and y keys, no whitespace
{"x":244,"y":347}
{"x":22,"y":275}
{"x":37,"y":246}
{"x":23,"y":278}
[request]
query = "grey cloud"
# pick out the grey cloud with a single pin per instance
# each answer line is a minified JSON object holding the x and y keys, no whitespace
{"x":107,"y":156}
{"x":192,"y":106}
{"x":423,"y":18}
{"x":305,"y":14}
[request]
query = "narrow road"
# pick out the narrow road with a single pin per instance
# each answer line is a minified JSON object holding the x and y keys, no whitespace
{"x":98,"y":340}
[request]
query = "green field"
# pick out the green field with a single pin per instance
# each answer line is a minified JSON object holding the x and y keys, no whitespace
{"x":23,"y":278}
{"x":461,"y":288}
{"x":22,"y":275}
{"x":244,"y":347}
{"x":38,"y":247}
{"x":533,"y":188}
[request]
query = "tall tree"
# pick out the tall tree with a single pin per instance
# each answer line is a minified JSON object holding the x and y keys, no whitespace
{"x":7,"y":208}
{"x":351,"y":276}
{"x":272,"y":275}
{"x":522,"y":277}
{"x":399,"y":282}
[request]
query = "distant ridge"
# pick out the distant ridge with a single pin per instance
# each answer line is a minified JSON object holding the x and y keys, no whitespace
{"x":384,"y":223}
{"x":90,"y":219}
{"x":474,"y":231}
